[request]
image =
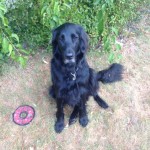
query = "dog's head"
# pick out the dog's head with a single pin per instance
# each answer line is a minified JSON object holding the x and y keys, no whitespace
{"x":69,"y":41}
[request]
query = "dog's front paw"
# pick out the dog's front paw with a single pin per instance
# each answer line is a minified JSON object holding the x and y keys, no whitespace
{"x":83,"y":121}
{"x":59,"y":126}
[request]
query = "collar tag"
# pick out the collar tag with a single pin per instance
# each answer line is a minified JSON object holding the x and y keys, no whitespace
{"x":74,"y":76}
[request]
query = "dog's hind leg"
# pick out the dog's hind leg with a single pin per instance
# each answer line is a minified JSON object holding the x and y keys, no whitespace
{"x":100,"y":101}
{"x":74,"y":115}
{"x":52,"y":92}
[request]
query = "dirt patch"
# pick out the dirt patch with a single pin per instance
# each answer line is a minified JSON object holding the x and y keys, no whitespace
{"x":125,"y":126}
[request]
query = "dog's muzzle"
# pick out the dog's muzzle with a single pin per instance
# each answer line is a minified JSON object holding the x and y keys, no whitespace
{"x":68,"y":61}
{"x":69,"y":58}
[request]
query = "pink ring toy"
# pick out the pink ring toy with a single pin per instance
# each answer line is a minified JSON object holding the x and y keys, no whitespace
{"x":23,"y":115}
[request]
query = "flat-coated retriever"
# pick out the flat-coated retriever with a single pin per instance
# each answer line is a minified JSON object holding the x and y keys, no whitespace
{"x":73,"y":81}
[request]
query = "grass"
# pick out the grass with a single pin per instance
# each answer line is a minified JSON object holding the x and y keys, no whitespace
{"x":124,"y":126}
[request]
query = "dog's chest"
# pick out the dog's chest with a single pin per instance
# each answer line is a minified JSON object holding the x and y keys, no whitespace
{"x":78,"y":77}
{"x":76,"y":85}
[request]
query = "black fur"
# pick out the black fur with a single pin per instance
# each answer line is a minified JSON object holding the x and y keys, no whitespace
{"x":73,"y":81}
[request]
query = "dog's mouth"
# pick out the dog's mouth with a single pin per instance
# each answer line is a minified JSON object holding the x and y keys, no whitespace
{"x":69,"y":61}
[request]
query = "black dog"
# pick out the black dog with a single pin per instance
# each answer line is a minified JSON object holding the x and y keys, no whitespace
{"x":72,"y":78}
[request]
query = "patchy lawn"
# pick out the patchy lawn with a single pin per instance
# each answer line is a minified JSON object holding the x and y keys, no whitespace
{"x":125,"y":126}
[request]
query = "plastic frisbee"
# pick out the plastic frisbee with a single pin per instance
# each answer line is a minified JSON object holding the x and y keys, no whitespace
{"x":23,"y":115}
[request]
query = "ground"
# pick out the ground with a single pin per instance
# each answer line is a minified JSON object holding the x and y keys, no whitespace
{"x":124,"y":126}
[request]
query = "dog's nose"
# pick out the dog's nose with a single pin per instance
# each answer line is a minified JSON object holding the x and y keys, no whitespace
{"x":69,"y":55}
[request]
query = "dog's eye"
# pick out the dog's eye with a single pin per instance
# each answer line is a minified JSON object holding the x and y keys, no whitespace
{"x":74,"y":37}
{"x":62,"y":38}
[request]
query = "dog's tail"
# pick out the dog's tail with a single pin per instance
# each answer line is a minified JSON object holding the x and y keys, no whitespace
{"x":112,"y":74}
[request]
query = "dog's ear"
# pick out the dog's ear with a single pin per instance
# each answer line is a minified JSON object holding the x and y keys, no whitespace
{"x":54,"y":37}
{"x":83,"y":40}
{"x":54,"y":41}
